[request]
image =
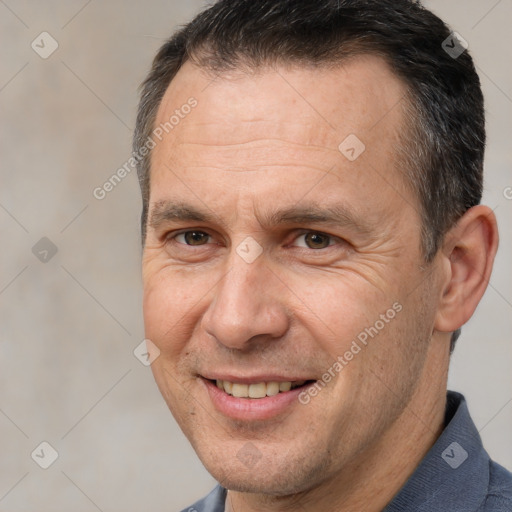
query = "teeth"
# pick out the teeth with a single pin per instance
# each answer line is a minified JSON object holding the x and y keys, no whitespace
{"x":272,"y":388}
{"x":285,"y":386}
{"x":240,"y":390}
{"x":259,"y":390}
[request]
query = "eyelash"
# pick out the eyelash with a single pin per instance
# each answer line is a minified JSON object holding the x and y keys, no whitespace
{"x":171,"y":237}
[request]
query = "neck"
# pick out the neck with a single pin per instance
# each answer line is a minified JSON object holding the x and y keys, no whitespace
{"x":371,"y":481}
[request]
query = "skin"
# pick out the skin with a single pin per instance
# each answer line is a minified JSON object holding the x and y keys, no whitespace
{"x":267,"y":140}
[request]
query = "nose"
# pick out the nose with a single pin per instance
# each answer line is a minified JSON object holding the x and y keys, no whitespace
{"x":247,"y":308}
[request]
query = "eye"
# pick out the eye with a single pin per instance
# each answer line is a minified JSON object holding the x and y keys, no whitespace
{"x":311,"y":239}
{"x":315,"y":240}
{"x":191,"y":237}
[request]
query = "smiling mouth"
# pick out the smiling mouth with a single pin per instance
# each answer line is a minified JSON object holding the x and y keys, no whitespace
{"x":260,"y":389}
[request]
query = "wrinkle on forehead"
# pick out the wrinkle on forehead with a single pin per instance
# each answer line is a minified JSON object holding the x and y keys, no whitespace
{"x":318,"y":107}
{"x":253,"y":156}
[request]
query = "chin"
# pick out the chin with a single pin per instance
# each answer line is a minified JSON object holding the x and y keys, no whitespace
{"x":254,"y":483}
{"x":273,"y":478}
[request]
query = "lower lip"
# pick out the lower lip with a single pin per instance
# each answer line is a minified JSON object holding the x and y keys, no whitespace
{"x":251,"y":409}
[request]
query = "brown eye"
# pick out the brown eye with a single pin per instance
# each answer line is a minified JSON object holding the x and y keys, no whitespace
{"x":193,"y":237}
{"x":315,"y":240}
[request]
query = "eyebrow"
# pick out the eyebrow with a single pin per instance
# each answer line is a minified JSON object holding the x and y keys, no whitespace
{"x":164,"y":212}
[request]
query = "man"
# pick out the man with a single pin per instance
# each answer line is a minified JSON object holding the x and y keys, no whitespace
{"x":311,"y":176}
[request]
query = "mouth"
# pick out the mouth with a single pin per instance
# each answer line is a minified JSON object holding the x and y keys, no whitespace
{"x":260,"y":389}
{"x":254,"y":399}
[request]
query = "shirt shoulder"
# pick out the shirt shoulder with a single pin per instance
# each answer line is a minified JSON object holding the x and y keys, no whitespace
{"x":499,"y":494}
{"x":214,"y":502}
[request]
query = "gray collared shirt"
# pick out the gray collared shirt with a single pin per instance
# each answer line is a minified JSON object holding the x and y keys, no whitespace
{"x":456,"y":475}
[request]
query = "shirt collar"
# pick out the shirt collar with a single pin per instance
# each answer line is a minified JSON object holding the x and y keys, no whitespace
{"x":454,"y":475}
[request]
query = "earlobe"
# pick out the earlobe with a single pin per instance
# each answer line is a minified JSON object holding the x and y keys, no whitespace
{"x":468,"y":255}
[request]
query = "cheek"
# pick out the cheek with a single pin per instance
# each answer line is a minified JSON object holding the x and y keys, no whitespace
{"x":168,"y":308}
{"x":338,"y":308}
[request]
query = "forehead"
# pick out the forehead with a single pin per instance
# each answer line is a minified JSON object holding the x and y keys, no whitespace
{"x":310,"y":106}
{"x":274,"y":127}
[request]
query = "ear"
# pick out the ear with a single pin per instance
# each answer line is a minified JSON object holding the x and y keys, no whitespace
{"x":467,"y":257}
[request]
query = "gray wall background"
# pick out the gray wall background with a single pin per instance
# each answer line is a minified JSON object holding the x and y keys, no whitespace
{"x":69,"y":325}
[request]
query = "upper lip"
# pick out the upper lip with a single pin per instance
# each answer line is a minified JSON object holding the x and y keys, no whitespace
{"x":253,"y":379}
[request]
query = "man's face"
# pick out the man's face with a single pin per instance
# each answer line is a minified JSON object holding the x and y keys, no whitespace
{"x":259,"y":291}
